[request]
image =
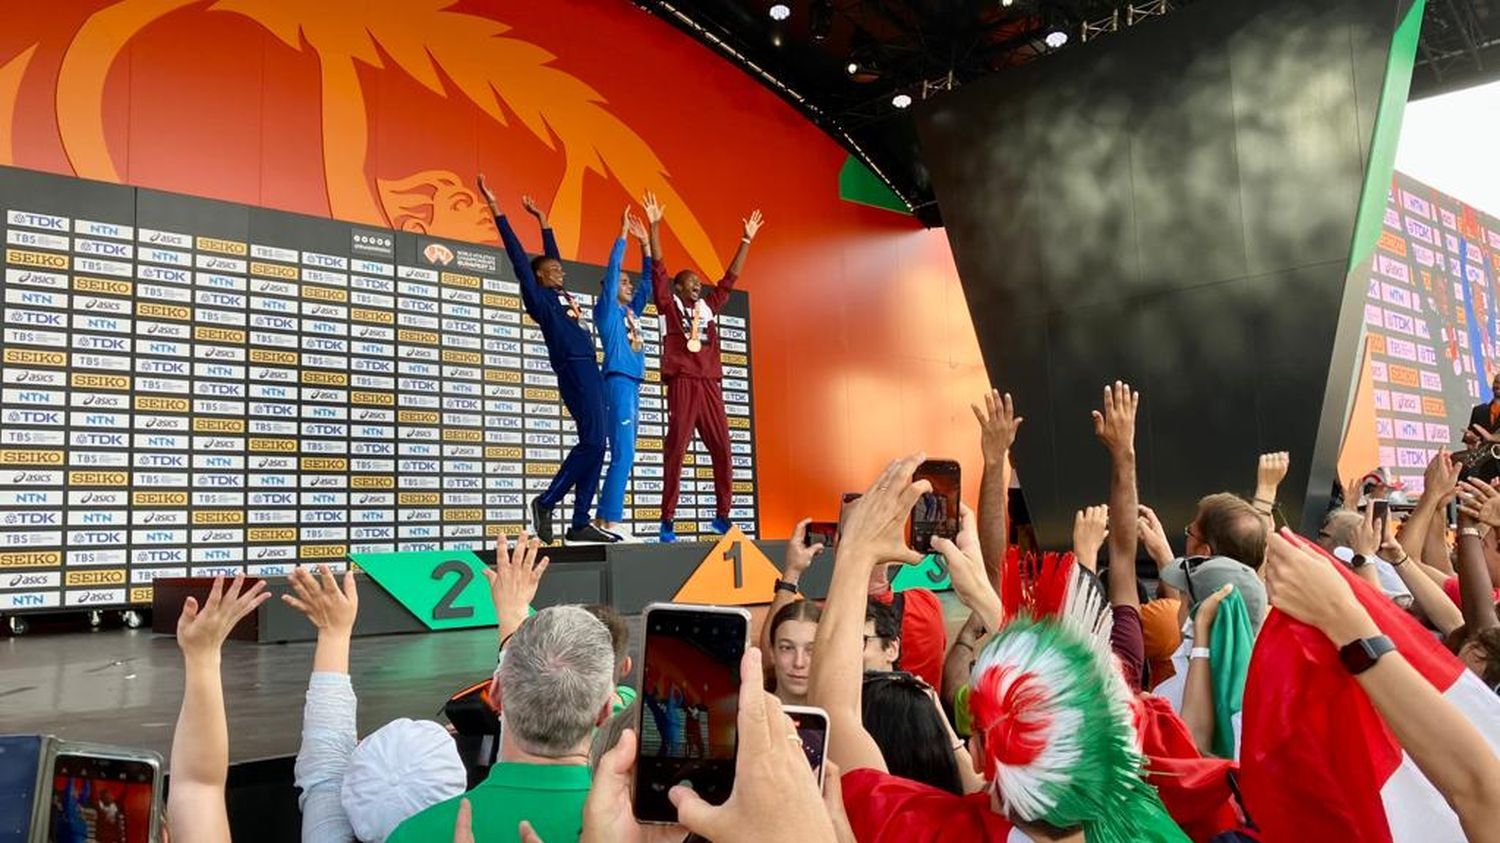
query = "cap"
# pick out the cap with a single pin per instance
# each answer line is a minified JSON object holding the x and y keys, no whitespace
{"x":398,"y":770}
{"x":1198,"y":577}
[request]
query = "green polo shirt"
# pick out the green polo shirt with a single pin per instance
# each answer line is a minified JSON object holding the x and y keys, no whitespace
{"x":549,"y":795}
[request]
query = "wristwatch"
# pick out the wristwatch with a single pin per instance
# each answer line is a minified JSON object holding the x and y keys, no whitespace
{"x":1361,"y":654}
{"x":1359,"y":561}
{"x":789,"y":587}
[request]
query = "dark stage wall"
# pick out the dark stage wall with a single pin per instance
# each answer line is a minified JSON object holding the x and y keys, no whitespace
{"x":1174,"y":205}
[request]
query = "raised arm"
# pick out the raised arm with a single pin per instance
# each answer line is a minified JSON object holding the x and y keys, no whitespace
{"x":1198,"y":688}
{"x":1480,"y":504}
{"x":1268,"y":476}
{"x":514,"y":581}
{"x":609,"y":296}
{"x":874,"y":534}
{"x":661,"y":289}
{"x":519,"y":262}
{"x":549,"y":242}
{"x":752,"y":227}
{"x":1438,"y":482}
{"x":329,"y":715}
{"x":1445,"y":746}
{"x":798,"y":559}
{"x":1115,"y":427}
{"x":200,"y":744}
{"x":644,"y":286}
{"x":998,"y":423}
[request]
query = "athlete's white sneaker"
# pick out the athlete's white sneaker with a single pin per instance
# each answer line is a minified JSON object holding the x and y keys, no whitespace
{"x":623,"y":532}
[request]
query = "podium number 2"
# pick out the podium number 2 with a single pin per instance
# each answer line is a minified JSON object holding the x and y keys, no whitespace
{"x":445,"y":610}
{"x":735,"y":555}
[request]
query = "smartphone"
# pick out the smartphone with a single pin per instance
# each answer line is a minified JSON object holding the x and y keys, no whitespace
{"x":105,"y":793}
{"x":1382,"y":514}
{"x":21,"y":760}
{"x":690,"y":700}
{"x":812,"y":728}
{"x":936,"y":512}
{"x":825,"y":533}
{"x":848,"y":498}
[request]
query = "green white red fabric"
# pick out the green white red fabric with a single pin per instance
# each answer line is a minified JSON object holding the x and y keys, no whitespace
{"x":1317,"y":762}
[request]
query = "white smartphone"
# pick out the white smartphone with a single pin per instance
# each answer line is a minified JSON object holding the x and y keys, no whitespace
{"x":812,"y":728}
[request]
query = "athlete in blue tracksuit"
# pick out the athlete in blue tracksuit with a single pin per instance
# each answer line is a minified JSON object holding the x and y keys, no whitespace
{"x":570,"y":346}
{"x":617,"y":314}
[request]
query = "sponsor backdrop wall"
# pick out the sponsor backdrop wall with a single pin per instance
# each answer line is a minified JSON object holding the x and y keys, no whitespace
{"x":379,"y":114}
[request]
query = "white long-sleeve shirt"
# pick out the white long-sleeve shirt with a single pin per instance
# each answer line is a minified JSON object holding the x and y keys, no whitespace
{"x":328,"y":739}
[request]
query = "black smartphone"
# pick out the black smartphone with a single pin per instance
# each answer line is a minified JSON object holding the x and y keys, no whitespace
{"x":21,"y":758}
{"x":936,"y":512}
{"x":690,"y":702}
{"x":812,"y":727}
{"x":1382,"y":514}
{"x":825,"y":533}
{"x":105,"y":793}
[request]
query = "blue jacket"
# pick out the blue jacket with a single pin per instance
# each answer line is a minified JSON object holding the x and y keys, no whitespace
{"x":619,"y":357}
{"x":567,"y":338}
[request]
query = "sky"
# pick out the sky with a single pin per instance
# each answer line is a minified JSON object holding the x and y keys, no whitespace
{"x":1452,"y":142}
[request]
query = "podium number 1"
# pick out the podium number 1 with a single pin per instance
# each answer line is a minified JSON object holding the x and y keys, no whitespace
{"x":445,"y":610}
{"x":735,"y":555}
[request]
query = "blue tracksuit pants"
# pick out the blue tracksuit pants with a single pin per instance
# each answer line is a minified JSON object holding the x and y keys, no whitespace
{"x":622,"y":402}
{"x":582,"y":389}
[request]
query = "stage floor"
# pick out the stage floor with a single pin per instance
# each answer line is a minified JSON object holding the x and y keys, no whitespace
{"x":124,"y":686}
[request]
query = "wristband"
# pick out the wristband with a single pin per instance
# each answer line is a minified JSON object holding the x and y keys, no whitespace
{"x":1198,"y":653}
{"x":789,"y":587}
{"x":1264,"y":501}
{"x":1469,"y":531}
{"x":1405,"y":557}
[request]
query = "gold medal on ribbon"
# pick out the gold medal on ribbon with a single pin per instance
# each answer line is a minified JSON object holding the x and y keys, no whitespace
{"x":694,"y":343}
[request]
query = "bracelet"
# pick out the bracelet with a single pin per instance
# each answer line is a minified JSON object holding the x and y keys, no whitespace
{"x":1264,"y":501}
{"x":1405,"y":557}
{"x":960,"y":746}
{"x":1198,"y":653}
{"x":789,"y":587}
{"x":1469,"y":531}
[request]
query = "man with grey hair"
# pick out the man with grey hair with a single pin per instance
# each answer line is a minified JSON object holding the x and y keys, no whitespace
{"x":553,"y":685}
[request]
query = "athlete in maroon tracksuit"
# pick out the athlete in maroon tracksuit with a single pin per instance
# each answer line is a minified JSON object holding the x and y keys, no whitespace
{"x":692,"y":371}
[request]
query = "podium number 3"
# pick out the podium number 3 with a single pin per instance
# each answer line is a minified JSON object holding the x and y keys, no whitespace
{"x":445,"y":610}
{"x":735,"y":555}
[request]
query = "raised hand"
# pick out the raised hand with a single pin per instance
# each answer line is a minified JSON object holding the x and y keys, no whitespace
{"x":1351,"y":494}
{"x":966,"y":568}
{"x":799,"y":556}
{"x":489,"y":195}
{"x":1153,"y":536}
{"x":330,"y":608}
{"x":635,"y":227}
{"x":1115,"y":424}
{"x":1272,"y":470}
{"x":1441,"y":476}
{"x":775,"y":797}
{"x":998,"y":423}
{"x":532,"y":208}
{"x":1203,"y":620}
{"x":1479,"y":502}
{"x":655,"y":210}
{"x":875,"y":525}
{"x":201,"y":630}
{"x":514,"y":580}
{"x":1308,"y":588}
{"x":1090,"y":527}
{"x":753,"y":224}
{"x":1367,"y":537}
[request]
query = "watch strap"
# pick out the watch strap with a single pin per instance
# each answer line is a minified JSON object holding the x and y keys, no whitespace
{"x":1361,"y":654}
{"x":789,"y":587}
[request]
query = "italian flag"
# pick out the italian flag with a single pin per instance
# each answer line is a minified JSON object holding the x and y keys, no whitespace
{"x":1317,"y":762}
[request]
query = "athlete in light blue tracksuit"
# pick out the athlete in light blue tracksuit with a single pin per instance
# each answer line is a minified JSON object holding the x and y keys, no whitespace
{"x":617,"y":314}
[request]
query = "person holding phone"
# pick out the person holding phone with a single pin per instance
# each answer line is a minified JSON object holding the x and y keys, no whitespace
{"x":570,"y":347}
{"x":618,"y":315}
{"x":692,"y":371}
